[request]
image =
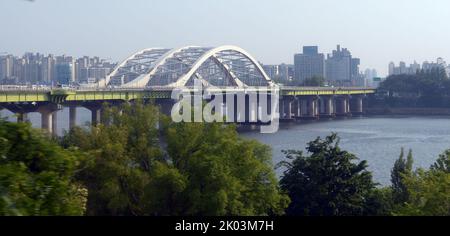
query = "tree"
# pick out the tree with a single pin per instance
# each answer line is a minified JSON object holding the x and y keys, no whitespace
{"x":442,"y":163}
{"x":402,"y":168}
{"x":427,"y":88}
{"x":429,"y":194}
{"x":176,"y":169}
{"x":123,"y":150}
{"x":327,"y":182}
{"x":226,"y":175}
{"x":36,"y":175}
{"x":315,"y":81}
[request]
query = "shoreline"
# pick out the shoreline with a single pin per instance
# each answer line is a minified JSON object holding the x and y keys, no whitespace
{"x":407,"y":111}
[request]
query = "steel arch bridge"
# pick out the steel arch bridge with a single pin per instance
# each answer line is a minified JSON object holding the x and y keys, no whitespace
{"x":224,"y":66}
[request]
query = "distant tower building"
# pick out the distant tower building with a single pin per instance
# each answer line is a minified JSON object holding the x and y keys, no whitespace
{"x":403,"y":69}
{"x":272,"y":71}
{"x":339,"y":67}
{"x":308,"y":64}
{"x":6,"y":67}
{"x":64,"y":73}
{"x":369,"y":76}
{"x":355,"y":68}
{"x":414,"y":68}
{"x":286,"y":72}
{"x":48,"y":69}
{"x":391,"y":68}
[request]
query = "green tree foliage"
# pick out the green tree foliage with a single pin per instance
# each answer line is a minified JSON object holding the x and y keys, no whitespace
{"x":379,"y":202}
{"x":179,"y":169}
{"x":36,"y":175}
{"x":429,"y":194}
{"x":429,"y":88}
{"x":227,"y":174}
{"x":402,"y":169}
{"x":423,"y":192}
{"x":328,"y":182}
{"x":442,"y":163}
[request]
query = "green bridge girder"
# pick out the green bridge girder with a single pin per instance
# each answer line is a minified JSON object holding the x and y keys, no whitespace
{"x":61,"y":96}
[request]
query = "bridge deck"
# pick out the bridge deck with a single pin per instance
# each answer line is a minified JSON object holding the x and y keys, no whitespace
{"x":59,"y":95}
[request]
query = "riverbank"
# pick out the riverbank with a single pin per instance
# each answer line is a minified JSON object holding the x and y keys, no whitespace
{"x":416,"y":111}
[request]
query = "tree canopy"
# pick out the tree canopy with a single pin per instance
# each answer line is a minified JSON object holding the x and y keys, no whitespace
{"x":326,"y":183}
{"x":36,"y":174}
{"x":178,"y":169}
{"x":427,"y":88}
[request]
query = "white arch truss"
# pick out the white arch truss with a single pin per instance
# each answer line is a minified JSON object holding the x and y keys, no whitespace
{"x":124,"y":63}
{"x":212,"y":53}
{"x":230,"y":65}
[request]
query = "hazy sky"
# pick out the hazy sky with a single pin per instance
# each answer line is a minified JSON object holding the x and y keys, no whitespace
{"x":377,"y":31}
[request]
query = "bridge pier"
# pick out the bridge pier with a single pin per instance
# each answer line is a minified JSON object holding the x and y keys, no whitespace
{"x":328,"y":107}
{"x":312,"y":108}
{"x":22,"y":117}
{"x":253,"y":106}
{"x":49,"y":117}
{"x":72,"y":116}
{"x":297,"y":108}
{"x":343,"y":106}
{"x":357,"y":105}
{"x":96,"y":112}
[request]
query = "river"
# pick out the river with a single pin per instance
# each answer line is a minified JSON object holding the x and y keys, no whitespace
{"x":375,"y":139}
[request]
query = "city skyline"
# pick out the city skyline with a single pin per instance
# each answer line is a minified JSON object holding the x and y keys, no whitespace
{"x":385,"y":31}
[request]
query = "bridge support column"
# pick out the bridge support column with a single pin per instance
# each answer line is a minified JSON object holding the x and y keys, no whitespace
{"x":49,"y":117}
{"x":343,"y":106}
{"x":240,"y":107}
{"x":55,"y":122}
{"x":72,"y":116}
{"x":312,"y":108}
{"x":253,"y":106}
{"x":282,"y":108}
{"x":286,"y":106}
{"x":297,"y":108}
{"x":358,"y":105}
{"x":96,"y":112}
{"x":328,"y":111}
{"x":22,"y":117}
{"x":288,"y":109}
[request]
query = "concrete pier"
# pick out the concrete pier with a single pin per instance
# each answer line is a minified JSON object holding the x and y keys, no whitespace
{"x":72,"y":116}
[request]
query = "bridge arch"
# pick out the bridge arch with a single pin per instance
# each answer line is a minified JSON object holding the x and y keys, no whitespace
{"x":227,"y":65}
{"x":155,"y":52}
{"x":212,"y":54}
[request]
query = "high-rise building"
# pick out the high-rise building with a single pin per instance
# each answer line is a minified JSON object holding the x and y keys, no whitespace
{"x":48,"y":69}
{"x":416,"y":67}
{"x":64,"y":73}
{"x":354,"y":70}
{"x":339,"y":67}
{"x":391,"y":68}
{"x":286,"y":72}
{"x":369,"y":75}
{"x":6,"y":67}
{"x":308,"y":64}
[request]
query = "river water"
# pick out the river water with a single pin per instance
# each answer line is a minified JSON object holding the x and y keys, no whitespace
{"x":375,"y":139}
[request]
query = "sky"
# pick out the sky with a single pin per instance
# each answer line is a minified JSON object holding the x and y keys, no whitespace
{"x":377,"y":31}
